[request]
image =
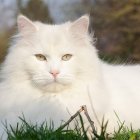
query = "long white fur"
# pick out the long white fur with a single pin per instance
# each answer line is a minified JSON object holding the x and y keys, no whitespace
{"x":27,"y":86}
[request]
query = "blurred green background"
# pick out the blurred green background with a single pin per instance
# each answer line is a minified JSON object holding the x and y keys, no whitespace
{"x":116,"y":24}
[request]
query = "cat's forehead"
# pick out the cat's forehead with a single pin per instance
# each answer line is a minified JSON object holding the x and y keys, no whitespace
{"x":54,"y":38}
{"x":53,"y":32}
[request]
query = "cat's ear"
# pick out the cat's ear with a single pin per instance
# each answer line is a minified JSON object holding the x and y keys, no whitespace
{"x":25,"y":25}
{"x":80,"y":26}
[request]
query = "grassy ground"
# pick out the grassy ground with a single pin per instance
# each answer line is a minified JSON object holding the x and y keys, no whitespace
{"x":27,"y":131}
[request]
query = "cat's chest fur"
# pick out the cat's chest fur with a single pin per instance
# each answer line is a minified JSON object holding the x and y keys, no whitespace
{"x":38,"y":106}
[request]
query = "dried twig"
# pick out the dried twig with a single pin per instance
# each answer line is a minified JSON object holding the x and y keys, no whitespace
{"x":83,"y":108}
{"x":90,"y":121}
{"x":71,"y":118}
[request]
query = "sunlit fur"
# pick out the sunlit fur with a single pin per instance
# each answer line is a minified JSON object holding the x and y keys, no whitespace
{"x":28,"y":86}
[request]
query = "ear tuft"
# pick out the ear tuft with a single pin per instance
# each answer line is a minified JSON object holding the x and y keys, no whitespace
{"x":80,"y":26}
{"x":25,"y":24}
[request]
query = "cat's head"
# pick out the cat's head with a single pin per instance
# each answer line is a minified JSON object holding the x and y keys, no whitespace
{"x":54,"y":57}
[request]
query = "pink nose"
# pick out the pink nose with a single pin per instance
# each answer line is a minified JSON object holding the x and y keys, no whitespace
{"x":54,"y":73}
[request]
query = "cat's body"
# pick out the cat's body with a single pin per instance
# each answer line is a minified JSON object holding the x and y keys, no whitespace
{"x":123,"y":86}
{"x":53,"y":70}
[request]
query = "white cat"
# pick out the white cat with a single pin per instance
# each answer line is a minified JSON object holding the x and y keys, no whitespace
{"x":51,"y":70}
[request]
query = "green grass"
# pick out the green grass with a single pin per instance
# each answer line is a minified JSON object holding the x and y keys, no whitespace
{"x":28,"y":131}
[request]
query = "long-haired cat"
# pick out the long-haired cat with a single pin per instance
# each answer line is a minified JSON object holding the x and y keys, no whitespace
{"x":51,"y":70}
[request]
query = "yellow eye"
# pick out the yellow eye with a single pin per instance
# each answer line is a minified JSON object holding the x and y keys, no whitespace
{"x":40,"y":57}
{"x":66,"y":57}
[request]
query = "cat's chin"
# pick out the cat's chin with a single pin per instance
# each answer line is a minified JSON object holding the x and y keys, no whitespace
{"x":54,"y":87}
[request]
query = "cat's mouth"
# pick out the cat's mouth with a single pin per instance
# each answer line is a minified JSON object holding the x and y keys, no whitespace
{"x":52,"y":85}
{"x":57,"y":81}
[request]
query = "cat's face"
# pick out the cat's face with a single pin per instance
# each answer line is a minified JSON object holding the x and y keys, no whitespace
{"x":52,"y":66}
{"x":53,"y":54}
